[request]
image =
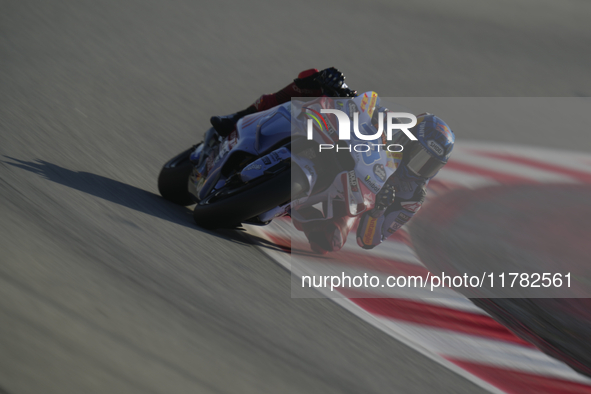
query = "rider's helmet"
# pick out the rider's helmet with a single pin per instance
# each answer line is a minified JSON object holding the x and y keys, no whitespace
{"x":426,"y":156}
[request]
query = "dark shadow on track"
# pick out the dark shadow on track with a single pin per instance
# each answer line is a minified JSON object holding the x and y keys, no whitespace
{"x":263,"y":243}
{"x":122,"y":194}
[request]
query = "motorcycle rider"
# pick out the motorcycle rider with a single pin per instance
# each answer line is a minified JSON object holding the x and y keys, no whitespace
{"x":403,"y":192}
{"x":309,"y":83}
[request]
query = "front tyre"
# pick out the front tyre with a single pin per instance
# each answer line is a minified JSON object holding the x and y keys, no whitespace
{"x":173,"y":180}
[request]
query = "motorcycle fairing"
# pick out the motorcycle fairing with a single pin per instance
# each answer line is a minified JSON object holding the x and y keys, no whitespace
{"x":255,"y":135}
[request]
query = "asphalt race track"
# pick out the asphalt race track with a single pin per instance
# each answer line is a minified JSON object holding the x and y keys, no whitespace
{"x":106,"y":287}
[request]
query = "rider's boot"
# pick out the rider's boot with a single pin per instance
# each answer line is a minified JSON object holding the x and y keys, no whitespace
{"x":225,"y":124}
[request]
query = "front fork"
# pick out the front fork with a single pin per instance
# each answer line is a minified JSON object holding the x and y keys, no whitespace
{"x":210,"y":139}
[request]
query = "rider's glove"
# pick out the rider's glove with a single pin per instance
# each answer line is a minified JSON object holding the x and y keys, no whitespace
{"x":331,"y":78}
{"x":346,"y":92}
{"x":369,"y":230}
{"x":384,"y":199}
{"x":332,"y":82}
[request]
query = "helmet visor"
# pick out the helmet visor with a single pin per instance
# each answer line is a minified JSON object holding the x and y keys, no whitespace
{"x":421,"y":163}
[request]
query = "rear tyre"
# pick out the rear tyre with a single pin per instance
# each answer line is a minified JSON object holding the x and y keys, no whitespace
{"x":173,"y":181}
{"x":232,"y":210}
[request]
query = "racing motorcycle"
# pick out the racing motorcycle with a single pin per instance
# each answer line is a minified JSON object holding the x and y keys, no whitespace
{"x":265,"y":168}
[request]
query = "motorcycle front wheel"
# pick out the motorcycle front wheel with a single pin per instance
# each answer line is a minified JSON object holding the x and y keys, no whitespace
{"x":173,"y":181}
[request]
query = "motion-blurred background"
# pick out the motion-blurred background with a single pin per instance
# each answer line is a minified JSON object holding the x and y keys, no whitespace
{"x":105,"y":287}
